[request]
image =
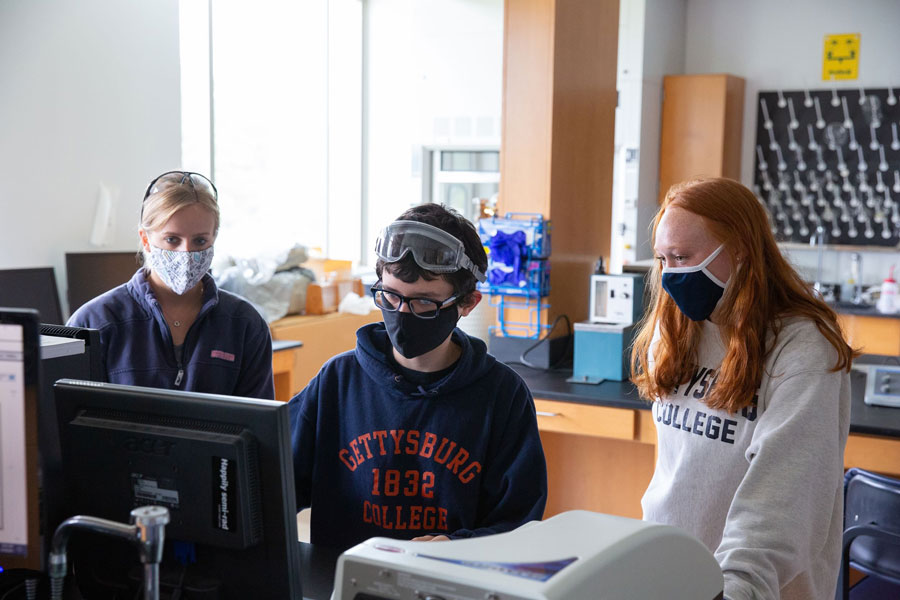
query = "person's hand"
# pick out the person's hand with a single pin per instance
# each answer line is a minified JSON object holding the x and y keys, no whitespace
{"x":431,"y":538}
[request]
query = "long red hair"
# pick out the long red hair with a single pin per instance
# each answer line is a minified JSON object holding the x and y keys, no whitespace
{"x":763,"y":290}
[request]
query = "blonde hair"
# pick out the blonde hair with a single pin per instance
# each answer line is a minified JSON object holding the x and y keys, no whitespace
{"x":159,"y":206}
{"x":763,"y":289}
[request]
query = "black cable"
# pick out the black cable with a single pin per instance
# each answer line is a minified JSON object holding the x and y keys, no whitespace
{"x":14,"y":588}
{"x":563,"y":356}
{"x":13,"y":581}
{"x":568,"y":355}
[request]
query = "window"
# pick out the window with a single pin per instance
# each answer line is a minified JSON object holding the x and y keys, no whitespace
{"x":434,"y":81}
{"x":271,"y":108}
{"x":465,"y":180}
{"x":312,"y":116}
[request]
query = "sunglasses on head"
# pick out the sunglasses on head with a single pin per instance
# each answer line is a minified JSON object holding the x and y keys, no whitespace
{"x":173,"y":178}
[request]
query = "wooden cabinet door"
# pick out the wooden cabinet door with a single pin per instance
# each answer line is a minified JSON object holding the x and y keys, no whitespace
{"x":702,"y":119}
{"x":874,"y":335}
{"x":599,"y":458}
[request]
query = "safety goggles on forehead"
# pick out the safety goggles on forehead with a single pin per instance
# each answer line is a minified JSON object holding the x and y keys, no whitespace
{"x":173,"y":178}
{"x":433,"y":249}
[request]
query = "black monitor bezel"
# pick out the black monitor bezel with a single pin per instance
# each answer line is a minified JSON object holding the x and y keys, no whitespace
{"x":29,"y":320}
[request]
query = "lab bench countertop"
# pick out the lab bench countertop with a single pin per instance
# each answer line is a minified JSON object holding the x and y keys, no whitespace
{"x":552,"y":385}
{"x":278,"y":345}
{"x":861,"y":310}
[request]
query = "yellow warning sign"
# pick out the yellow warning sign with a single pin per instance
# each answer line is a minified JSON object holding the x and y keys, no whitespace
{"x":841,"y":57}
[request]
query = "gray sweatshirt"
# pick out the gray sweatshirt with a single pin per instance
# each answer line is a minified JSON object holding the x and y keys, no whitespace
{"x":762,"y":488}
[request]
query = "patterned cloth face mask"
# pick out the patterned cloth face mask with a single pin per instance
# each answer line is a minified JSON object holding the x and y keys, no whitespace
{"x":180,"y":270}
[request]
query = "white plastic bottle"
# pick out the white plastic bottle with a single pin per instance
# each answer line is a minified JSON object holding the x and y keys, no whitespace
{"x":887,"y":302}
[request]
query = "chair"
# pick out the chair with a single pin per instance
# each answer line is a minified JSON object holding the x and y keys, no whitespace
{"x":871,"y":535}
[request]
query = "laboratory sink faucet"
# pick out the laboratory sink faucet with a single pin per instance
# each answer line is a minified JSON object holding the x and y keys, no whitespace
{"x":856,"y":274}
{"x":818,"y":241}
{"x":147,"y":532}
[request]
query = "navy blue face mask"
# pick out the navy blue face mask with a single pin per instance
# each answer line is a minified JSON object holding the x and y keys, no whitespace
{"x":695,"y":290}
{"x":413,"y":336}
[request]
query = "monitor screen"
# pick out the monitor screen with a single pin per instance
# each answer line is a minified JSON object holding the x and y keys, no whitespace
{"x":221,"y":465}
{"x":90,"y":274}
{"x":19,"y":384}
{"x":31,"y":288}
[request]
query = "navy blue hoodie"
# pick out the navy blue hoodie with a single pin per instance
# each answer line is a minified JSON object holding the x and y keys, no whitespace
{"x":227,"y":350}
{"x":377,"y":455}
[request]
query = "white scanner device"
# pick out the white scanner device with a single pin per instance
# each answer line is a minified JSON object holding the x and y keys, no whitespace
{"x":575,"y":555}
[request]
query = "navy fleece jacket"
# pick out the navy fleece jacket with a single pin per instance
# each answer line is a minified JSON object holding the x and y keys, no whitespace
{"x":227,"y":350}
{"x":377,"y":455}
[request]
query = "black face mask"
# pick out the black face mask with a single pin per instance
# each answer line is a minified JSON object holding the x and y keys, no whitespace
{"x":412,"y":336}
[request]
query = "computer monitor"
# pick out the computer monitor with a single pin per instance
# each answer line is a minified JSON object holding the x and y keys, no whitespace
{"x":90,"y":274}
{"x":31,"y":288}
{"x":222,"y":466}
{"x":19,"y":389}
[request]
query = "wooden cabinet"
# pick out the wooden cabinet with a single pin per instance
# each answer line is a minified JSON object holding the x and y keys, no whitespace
{"x":598,"y":458}
{"x":873,"y":335}
{"x":702,"y":120}
{"x":584,"y":419}
{"x":323,"y":336}
{"x":285,"y":365}
{"x":873,"y":453}
{"x":601,"y":458}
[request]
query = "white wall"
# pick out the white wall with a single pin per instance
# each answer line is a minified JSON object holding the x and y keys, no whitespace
{"x":775,"y":44}
{"x":89,"y":93}
{"x":778,"y":45}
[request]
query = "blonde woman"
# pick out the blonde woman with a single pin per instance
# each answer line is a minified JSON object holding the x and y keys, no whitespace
{"x":749,"y":378}
{"x":170,"y":326}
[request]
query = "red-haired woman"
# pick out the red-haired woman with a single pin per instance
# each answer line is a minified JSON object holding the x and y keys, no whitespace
{"x":749,"y":377}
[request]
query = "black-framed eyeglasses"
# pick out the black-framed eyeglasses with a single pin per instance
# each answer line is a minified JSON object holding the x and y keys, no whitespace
{"x":173,"y":178}
{"x":424,"y":308}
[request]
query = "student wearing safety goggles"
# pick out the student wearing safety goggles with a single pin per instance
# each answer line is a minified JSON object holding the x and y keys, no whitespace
{"x":170,"y":326}
{"x":418,"y":433}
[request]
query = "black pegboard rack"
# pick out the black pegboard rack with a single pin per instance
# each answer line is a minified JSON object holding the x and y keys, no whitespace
{"x":828,"y":161}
